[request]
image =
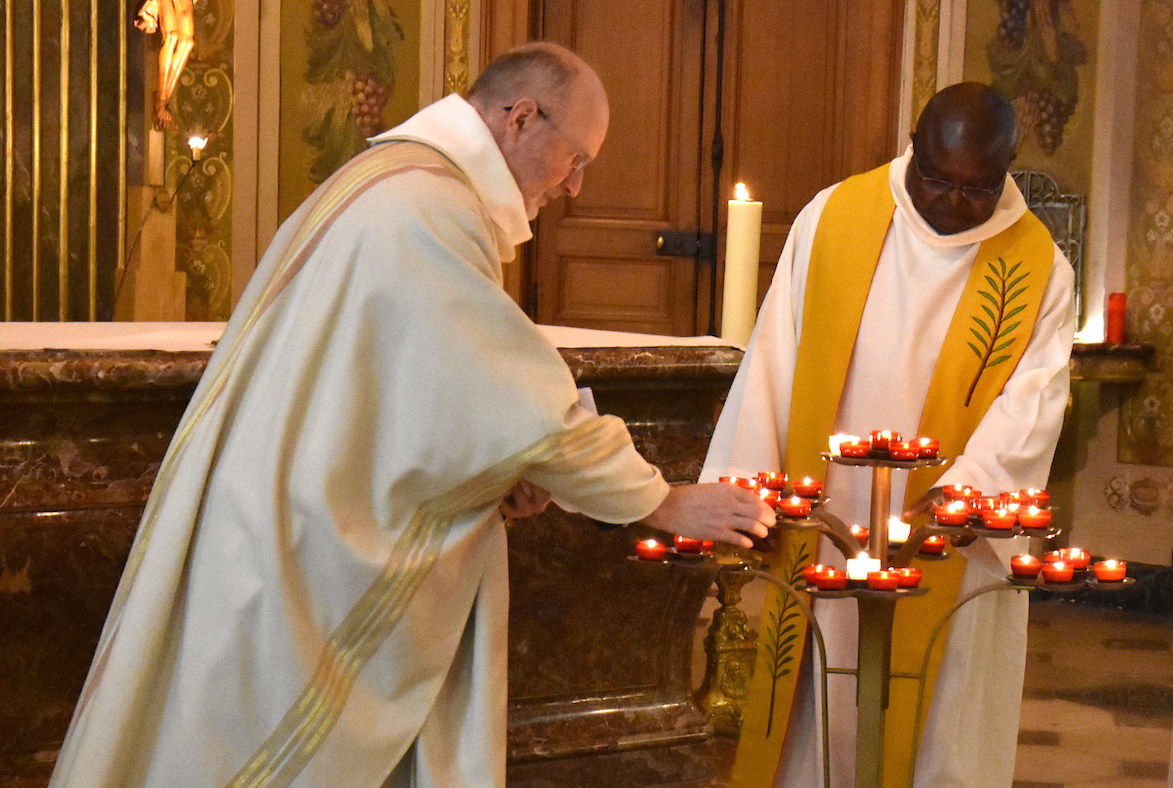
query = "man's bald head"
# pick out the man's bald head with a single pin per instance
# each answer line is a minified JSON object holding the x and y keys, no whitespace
{"x":964,"y":142}
{"x":548,"y":112}
{"x":969,"y":117}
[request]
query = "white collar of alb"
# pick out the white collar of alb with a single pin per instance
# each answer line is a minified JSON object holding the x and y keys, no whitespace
{"x":454,"y":127}
{"x":1011,"y":206}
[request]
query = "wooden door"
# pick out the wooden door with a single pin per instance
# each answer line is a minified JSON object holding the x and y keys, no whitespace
{"x":811,"y":95}
{"x":595,"y":261}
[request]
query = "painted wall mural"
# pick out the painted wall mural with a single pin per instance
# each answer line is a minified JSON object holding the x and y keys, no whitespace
{"x":1146,"y":418}
{"x":1033,"y":59}
{"x":202,"y":105}
{"x":351,"y":46}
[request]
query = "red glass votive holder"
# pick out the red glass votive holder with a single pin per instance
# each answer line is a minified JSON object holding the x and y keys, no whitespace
{"x":909,"y":576}
{"x":808,"y":487}
{"x":1025,"y":565}
{"x":743,"y":482}
{"x":855,"y":448}
{"x":932,"y":545}
{"x":983,"y":503}
{"x":884,"y":580}
{"x":795,"y":506}
{"x":1018,"y":497}
{"x":831,"y":580}
{"x":881,"y":439}
{"x":651,"y":550}
{"x":1034,"y":517}
{"x":772,"y":498}
{"x":1058,"y":572}
{"x":811,"y":571}
{"x":1000,"y":519}
{"x":861,"y":534}
{"x":953,"y":513}
{"x":903,"y":450}
{"x":684,"y":544}
{"x":1037,"y":497}
{"x":1110,"y":571}
{"x":958,"y":492}
{"x":772,"y":480}
{"x":1076,"y":557}
{"x":927,"y":448}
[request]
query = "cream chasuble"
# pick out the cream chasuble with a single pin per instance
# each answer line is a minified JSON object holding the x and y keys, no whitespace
{"x":917,"y":283}
{"x":319,"y":585}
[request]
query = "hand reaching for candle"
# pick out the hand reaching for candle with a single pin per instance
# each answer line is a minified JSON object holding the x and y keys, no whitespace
{"x":715,"y":512}
{"x":934,"y":497}
{"x":924,"y":504}
{"x":524,"y":500}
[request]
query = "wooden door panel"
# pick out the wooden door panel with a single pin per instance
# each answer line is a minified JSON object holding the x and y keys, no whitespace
{"x":814,"y":94}
{"x":596,"y":263}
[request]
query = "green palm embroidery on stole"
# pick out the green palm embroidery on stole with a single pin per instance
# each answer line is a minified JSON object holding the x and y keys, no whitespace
{"x":995,"y":335}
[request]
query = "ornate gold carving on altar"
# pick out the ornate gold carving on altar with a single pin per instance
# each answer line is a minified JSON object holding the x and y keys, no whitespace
{"x":730,"y":647}
{"x":456,"y":36}
{"x":924,"y":67}
{"x":175,"y":20}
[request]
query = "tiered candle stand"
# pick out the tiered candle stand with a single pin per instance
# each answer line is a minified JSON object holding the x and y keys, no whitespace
{"x":877,"y":608}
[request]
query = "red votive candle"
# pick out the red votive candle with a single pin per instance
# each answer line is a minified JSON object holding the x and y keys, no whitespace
{"x":772,"y":498}
{"x":855,"y":448}
{"x":861,"y":534}
{"x":1110,"y":571}
{"x":927,"y":448}
{"x":1018,"y":497}
{"x":903,"y":450}
{"x":1034,"y":517}
{"x":811,"y":571}
{"x":1058,"y":572}
{"x":881,"y":439}
{"x":1114,"y":324}
{"x":743,"y":482}
{"x":1037,"y":497}
{"x":952,"y":513}
{"x":884,"y":580}
{"x":808,"y":487}
{"x":933,"y":545}
{"x":795,"y":506}
{"x":684,"y":544}
{"x":1001,"y":519}
{"x":651,"y":550}
{"x":831,"y":580}
{"x":909,"y":576}
{"x":1025,"y":565}
{"x":958,"y":492}
{"x":984,"y":503}
{"x":1077,"y":558}
{"x":772,"y":480}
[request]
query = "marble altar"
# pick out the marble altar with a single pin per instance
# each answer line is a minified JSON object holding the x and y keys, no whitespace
{"x":599,"y":680}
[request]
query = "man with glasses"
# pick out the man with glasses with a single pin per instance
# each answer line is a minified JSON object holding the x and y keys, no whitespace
{"x":921,"y":297}
{"x":318,"y":592}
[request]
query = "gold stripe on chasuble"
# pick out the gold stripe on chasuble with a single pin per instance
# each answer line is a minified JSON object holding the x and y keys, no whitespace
{"x":309,"y":720}
{"x":361,"y":172}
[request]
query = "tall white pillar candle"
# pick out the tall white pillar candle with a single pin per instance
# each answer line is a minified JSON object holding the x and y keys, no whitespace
{"x":743,"y":238}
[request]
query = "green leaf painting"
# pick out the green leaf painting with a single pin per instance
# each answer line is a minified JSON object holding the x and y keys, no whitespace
{"x":782,"y":631}
{"x":994,"y":333}
{"x":349,"y":77}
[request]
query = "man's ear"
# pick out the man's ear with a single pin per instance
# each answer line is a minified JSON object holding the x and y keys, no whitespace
{"x":524,"y":110}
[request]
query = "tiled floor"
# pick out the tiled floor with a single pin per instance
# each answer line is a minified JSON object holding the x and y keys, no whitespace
{"x":1098,"y":701}
{"x":1098,"y":698}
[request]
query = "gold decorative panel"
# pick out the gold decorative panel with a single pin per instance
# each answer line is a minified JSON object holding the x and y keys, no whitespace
{"x":67,"y":150}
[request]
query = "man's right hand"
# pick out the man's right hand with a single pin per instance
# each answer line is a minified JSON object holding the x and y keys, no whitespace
{"x":716,"y":512}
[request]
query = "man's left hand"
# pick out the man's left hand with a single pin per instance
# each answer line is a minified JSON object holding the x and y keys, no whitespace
{"x":924,"y":505}
{"x":524,"y":500}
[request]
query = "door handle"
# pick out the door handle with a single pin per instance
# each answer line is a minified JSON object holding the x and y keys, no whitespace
{"x":684,"y":243}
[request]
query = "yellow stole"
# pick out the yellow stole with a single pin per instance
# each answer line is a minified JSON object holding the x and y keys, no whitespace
{"x":990,"y":329}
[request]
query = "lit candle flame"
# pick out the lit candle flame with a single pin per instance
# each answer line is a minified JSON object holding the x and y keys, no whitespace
{"x":741,"y":192}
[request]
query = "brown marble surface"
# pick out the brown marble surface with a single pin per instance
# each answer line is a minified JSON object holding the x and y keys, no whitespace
{"x":599,"y":645}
